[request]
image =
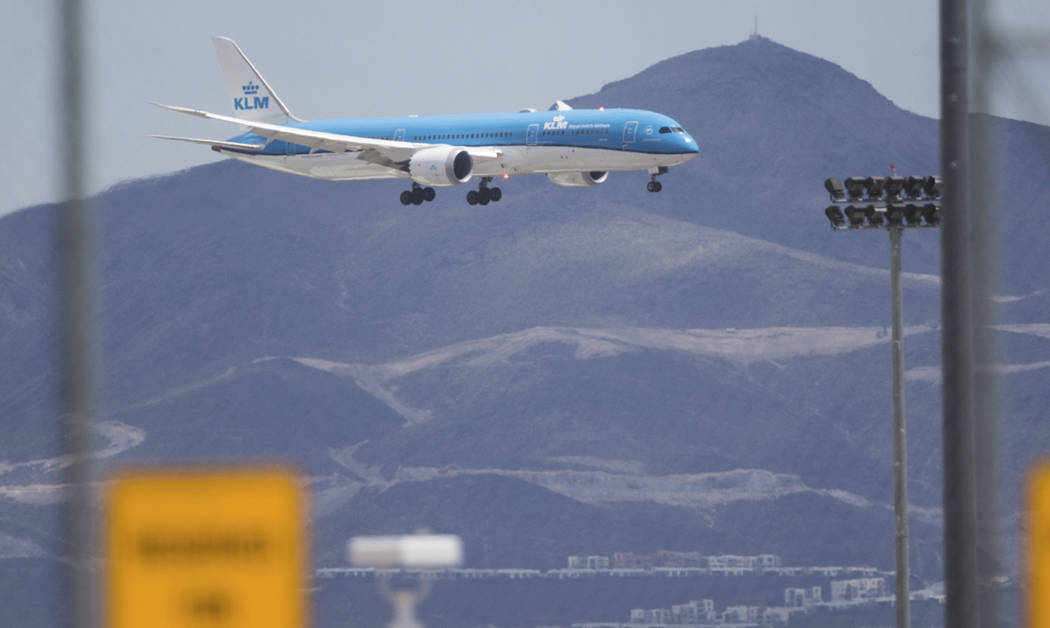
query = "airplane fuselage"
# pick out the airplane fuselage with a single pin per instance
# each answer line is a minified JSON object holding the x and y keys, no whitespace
{"x":529,"y":142}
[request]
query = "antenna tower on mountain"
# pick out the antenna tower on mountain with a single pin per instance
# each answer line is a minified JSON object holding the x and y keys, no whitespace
{"x":754,"y":34}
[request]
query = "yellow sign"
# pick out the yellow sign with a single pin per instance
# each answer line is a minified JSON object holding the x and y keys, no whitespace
{"x":1039,"y":547}
{"x":206,"y":548}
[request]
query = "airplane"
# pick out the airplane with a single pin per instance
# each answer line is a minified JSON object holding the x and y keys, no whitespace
{"x":573,"y":147}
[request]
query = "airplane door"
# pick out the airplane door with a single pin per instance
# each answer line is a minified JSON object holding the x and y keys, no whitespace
{"x":630,"y":129}
{"x":399,"y":135}
{"x":532,"y":134}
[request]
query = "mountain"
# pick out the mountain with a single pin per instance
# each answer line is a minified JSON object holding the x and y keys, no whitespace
{"x":565,"y":372}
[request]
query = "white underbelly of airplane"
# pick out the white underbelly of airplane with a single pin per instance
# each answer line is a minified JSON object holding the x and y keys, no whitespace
{"x":515,"y":160}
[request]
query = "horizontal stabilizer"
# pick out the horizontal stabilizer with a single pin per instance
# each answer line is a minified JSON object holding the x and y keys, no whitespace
{"x":380,"y":152}
{"x":212,"y":143}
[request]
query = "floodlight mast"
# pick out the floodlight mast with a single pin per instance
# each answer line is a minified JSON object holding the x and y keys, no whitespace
{"x":884,"y":210}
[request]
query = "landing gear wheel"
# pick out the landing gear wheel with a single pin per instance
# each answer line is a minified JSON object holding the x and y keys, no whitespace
{"x":406,"y":198}
{"x":472,"y":197}
{"x":496,"y":194}
{"x":654,"y":185}
{"x":417,"y":196}
{"x":484,"y":196}
{"x":429,"y":194}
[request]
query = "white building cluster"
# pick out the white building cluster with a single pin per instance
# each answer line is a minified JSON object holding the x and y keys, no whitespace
{"x":703,"y":613}
{"x":588,"y":562}
{"x":858,"y":589}
{"x":796,"y":600}
{"x":795,"y":597}
{"x":664,"y":559}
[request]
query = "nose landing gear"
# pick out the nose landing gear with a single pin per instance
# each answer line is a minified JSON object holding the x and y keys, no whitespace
{"x":653,"y":185}
{"x":484,"y":194}
{"x":417,"y":195}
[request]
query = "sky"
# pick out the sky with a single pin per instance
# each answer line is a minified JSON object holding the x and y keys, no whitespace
{"x":345,"y":58}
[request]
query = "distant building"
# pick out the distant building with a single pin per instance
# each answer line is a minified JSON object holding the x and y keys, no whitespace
{"x":588,"y":562}
{"x":802,"y":598}
{"x":666,"y":558}
{"x":729,"y":561}
{"x":741,"y":614}
{"x":685,"y":613}
{"x":597,"y":562}
{"x":732,"y":562}
{"x":858,"y":589}
{"x":765,"y":561}
{"x":637,"y":615}
{"x":630,"y":560}
{"x":779,"y":614}
{"x":658,"y":616}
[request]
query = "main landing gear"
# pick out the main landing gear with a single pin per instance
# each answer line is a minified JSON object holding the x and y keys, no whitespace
{"x":417,"y":195}
{"x":484,"y":193}
{"x":654,"y":185}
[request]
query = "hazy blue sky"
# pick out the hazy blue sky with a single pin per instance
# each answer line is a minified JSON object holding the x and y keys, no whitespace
{"x":343,"y":58}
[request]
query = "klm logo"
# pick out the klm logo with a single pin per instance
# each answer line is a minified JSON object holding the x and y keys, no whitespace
{"x":557,"y":124}
{"x":250,"y":101}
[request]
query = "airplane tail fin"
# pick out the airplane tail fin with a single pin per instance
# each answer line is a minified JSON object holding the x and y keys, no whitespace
{"x":251,"y":96}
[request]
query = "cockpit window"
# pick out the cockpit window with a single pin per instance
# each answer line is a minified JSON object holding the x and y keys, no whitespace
{"x":664,"y":129}
{"x":678,"y":129}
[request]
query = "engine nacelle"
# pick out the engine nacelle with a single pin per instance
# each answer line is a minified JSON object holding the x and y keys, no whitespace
{"x":578,"y":179}
{"x":441,"y":165}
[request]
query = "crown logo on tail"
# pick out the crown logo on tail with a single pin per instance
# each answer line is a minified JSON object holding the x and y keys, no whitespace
{"x":250,"y":89}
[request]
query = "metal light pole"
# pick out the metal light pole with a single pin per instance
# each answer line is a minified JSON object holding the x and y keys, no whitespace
{"x":900,"y":443}
{"x":877,"y":211}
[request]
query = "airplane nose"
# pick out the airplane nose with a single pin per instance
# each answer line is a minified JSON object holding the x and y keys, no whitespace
{"x":690,"y":144}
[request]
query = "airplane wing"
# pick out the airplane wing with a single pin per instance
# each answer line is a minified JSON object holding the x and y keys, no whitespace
{"x":387,"y":153}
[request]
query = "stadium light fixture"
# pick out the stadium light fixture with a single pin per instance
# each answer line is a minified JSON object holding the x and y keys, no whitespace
{"x":913,"y":215}
{"x":875,"y":215}
{"x":855,"y":188}
{"x":894,"y":185}
{"x":856,"y":215}
{"x":894,"y":215}
{"x":913,"y":187}
{"x":932,"y":186}
{"x":901,"y":202}
{"x":931,"y":213}
{"x":874,"y":186}
{"x":835,"y":189}
{"x":834,"y":214}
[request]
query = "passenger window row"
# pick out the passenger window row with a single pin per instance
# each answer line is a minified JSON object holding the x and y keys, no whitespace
{"x":462,"y":136}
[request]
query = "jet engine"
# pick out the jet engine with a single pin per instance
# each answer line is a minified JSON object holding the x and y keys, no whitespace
{"x":578,"y":179}
{"x":441,"y":165}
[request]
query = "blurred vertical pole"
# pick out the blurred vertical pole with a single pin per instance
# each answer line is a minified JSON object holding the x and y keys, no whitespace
{"x":985,"y":389}
{"x":960,"y":561}
{"x":900,"y":443}
{"x":77,"y":350}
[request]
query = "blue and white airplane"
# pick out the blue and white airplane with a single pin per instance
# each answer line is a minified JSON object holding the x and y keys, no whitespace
{"x":573,"y":147}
